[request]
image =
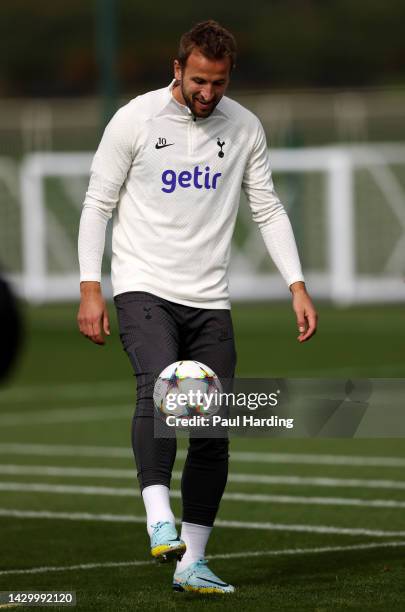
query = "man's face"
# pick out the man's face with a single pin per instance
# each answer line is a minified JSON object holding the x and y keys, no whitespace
{"x":203,"y":82}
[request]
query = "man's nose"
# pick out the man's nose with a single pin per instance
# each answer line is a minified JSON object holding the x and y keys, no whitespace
{"x":207,"y":92}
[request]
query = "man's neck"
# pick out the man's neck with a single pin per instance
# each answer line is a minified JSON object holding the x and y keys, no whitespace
{"x":177,"y":94}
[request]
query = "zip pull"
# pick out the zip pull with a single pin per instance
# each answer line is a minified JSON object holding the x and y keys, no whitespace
{"x":192,"y":116}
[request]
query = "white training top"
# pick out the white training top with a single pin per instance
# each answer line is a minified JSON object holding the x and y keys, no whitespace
{"x":173,"y":182}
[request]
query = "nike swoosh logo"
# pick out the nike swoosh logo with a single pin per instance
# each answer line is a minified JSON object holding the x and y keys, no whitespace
{"x":162,"y":146}
{"x":212,"y":581}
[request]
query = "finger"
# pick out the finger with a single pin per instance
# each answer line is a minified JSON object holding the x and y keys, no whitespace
{"x":311,"y":327}
{"x":301,"y":322}
{"x":81,"y":325}
{"x":86,"y":328}
{"x":96,"y":335}
{"x":106,"y":323}
{"x":308,"y":334}
{"x":90,"y":331}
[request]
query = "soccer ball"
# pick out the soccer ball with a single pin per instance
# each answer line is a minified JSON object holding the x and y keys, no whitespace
{"x":186,"y":389}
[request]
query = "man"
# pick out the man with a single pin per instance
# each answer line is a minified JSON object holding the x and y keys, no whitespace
{"x":171,"y":165}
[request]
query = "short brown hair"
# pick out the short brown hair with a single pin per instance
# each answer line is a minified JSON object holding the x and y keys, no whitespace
{"x":211,"y":39}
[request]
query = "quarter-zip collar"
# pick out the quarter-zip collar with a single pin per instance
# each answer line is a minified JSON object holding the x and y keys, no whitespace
{"x":175,"y":107}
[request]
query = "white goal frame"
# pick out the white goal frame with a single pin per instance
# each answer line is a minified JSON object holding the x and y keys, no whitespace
{"x":339,"y":283}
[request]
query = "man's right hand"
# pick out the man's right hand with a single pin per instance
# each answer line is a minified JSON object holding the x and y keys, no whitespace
{"x":92,"y":317}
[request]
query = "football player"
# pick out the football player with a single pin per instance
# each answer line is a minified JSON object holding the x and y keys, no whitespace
{"x":170,"y":166}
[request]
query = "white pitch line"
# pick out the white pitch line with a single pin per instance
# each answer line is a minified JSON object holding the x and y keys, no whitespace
{"x":310,"y":529}
{"x":236,"y":555}
{"x":37,"y":487}
{"x":53,"y":470}
{"x":318,"y":481}
{"x":313,"y":459}
{"x":66,"y":450}
{"x":314,"y":501}
{"x":115,"y":473}
{"x":100,"y":389}
{"x":73,"y":415}
{"x":265,"y":526}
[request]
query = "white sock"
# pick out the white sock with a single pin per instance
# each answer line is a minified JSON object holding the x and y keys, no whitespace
{"x":196,"y":538}
{"x":157,"y":505}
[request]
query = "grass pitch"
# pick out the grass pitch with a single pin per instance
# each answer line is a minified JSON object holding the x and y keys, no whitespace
{"x":304,"y":525}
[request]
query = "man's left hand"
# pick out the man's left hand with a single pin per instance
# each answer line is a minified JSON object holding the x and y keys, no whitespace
{"x":307,"y":317}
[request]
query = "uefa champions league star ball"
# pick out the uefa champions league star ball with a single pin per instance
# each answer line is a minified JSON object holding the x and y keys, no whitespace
{"x":186,"y":389}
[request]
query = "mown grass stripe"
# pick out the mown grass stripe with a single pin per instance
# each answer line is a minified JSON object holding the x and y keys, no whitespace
{"x":115,"y":473}
{"x":68,"y":391}
{"x":236,"y":456}
{"x":267,"y":526}
{"x":58,"y":489}
{"x":236,"y":555}
{"x":71,"y":415}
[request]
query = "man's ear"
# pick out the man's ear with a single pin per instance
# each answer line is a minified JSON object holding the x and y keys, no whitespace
{"x":178,"y":72}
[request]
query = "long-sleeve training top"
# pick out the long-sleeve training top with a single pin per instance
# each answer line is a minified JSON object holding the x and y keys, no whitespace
{"x":173,"y":182}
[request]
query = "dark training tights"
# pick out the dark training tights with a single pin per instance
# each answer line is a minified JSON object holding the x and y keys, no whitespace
{"x":155,"y":333}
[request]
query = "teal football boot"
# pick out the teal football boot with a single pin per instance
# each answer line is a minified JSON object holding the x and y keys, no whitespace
{"x":165,"y":544}
{"x":198,"y":578}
